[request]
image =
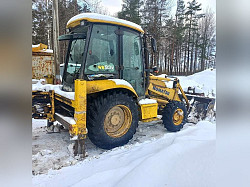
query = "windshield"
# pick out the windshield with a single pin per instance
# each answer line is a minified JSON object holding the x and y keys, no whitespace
{"x":75,"y":59}
{"x":75,"y":55}
{"x":102,"y":56}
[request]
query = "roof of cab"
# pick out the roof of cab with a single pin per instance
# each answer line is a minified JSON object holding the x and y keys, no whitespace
{"x":93,"y":17}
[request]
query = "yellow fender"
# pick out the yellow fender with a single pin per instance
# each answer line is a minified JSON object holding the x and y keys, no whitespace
{"x":102,"y":85}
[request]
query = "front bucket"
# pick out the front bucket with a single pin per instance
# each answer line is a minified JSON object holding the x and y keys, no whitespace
{"x":200,"y":108}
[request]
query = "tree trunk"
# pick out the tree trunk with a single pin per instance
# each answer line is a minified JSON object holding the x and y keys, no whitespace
{"x":185,"y":54}
{"x":192,"y":54}
{"x":165,"y":59}
{"x":196,"y":54}
{"x":189,"y":33}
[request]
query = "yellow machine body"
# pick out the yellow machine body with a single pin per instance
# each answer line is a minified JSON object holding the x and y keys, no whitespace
{"x":149,"y":112}
{"x":159,"y":91}
{"x":156,"y":88}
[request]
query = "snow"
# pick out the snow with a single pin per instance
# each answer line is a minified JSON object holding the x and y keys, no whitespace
{"x":147,"y":101}
{"x":186,"y":158}
{"x":169,"y":84}
{"x":121,"y":82}
{"x":48,"y":51}
{"x":34,"y":46}
{"x":69,"y":120}
{"x":39,"y":123}
{"x":41,"y":86}
{"x":162,"y":75}
{"x":97,"y":17}
{"x":203,"y":82}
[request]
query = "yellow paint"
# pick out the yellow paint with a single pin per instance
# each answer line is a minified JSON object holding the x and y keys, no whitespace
{"x":49,"y":79}
{"x":158,"y":82}
{"x":178,"y":86}
{"x":52,"y":96}
{"x":118,"y":121}
{"x":178,"y":116}
{"x":149,"y":120}
{"x":160,"y":101}
{"x":80,"y":129}
{"x":152,"y":77}
{"x":102,"y":85}
{"x":149,"y":111}
{"x":78,"y":21}
{"x":163,"y":92}
{"x":39,"y":48}
{"x":65,"y":100}
{"x":95,"y":87}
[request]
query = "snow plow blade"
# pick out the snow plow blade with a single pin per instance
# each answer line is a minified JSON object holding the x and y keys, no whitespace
{"x":200,"y":107}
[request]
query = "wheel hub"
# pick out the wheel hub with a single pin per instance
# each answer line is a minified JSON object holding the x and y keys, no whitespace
{"x":178,"y":116}
{"x":117,"y":121}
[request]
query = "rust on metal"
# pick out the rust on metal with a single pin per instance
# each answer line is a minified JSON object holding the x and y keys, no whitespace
{"x":42,"y":65}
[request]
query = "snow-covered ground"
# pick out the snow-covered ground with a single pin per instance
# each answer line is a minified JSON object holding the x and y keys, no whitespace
{"x":154,"y":157}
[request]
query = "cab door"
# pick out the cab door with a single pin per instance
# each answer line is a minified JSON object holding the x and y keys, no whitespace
{"x":132,"y":60}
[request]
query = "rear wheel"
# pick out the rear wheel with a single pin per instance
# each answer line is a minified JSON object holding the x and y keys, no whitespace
{"x":112,"y":119}
{"x":174,"y":116}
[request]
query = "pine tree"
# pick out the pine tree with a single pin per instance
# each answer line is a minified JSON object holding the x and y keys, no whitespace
{"x":154,"y":16}
{"x":192,"y":9}
{"x":131,"y":11}
{"x":42,"y":22}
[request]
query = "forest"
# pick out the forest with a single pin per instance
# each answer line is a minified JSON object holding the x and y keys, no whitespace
{"x":185,"y":34}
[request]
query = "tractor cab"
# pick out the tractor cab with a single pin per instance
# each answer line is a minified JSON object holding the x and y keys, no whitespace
{"x":102,"y":47}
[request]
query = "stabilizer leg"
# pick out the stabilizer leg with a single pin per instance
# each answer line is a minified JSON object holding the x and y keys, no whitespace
{"x":79,"y":148}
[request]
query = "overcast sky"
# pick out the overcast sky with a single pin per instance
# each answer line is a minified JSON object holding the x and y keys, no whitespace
{"x":114,"y":6}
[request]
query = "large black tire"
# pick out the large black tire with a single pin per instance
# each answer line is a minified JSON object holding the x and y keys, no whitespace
{"x":97,"y":110}
{"x":168,"y":113}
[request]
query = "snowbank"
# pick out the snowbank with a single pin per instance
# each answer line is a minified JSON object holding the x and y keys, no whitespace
{"x":203,"y":82}
{"x":186,"y":158}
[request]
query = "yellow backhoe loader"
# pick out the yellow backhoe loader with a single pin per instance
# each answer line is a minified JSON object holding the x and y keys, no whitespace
{"x":108,"y":86}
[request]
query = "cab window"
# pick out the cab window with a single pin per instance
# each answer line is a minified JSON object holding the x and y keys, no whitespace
{"x":102,"y":55}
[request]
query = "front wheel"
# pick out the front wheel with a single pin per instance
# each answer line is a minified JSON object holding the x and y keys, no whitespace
{"x":174,"y":116}
{"x":112,"y":119}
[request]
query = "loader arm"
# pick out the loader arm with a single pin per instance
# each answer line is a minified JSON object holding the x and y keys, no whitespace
{"x":165,"y":89}
{"x":183,"y":94}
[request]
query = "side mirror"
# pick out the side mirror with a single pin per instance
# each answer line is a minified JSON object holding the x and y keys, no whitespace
{"x":153,"y":45}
